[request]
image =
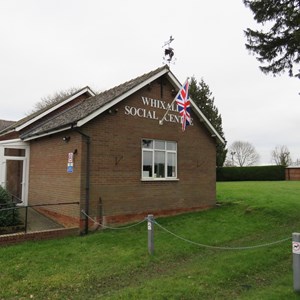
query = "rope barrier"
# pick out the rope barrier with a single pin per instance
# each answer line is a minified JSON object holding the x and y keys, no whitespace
{"x":114,"y":228}
{"x":185,"y":239}
{"x":220,"y":247}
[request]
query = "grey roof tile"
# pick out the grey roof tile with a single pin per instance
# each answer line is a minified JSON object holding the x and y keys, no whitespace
{"x":36,"y":113}
{"x":4,"y":124}
{"x":87,"y":107}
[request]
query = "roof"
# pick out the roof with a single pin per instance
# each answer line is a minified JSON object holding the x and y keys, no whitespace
{"x":83,"y":112}
{"x":4,"y":124}
{"x":35,"y":116}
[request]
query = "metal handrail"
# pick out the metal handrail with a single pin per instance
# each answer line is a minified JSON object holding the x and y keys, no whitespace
{"x":32,"y":206}
{"x":35,"y":205}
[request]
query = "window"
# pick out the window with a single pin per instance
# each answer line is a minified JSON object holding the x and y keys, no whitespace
{"x":14,"y":152}
{"x":159,"y":159}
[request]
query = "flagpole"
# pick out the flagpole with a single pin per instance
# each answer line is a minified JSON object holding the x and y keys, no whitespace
{"x":161,"y":121}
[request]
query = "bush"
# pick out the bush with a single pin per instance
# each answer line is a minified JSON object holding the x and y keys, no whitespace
{"x":261,"y":173}
{"x":7,"y":217}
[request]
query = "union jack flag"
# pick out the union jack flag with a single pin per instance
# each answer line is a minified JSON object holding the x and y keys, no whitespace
{"x":184,"y":105}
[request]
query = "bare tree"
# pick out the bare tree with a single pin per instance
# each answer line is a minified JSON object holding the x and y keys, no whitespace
{"x":53,"y":99}
{"x":242,"y":154}
{"x":297,"y":162}
{"x":281,"y":156}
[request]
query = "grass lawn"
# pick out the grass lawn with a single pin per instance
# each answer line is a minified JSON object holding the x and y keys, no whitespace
{"x":115,"y":264}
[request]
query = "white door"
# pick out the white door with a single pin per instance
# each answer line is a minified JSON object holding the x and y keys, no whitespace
{"x":14,"y":171}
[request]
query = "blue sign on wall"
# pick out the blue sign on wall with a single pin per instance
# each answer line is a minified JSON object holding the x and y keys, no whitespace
{"x":70,"y":168}
{"x":70,"y":163}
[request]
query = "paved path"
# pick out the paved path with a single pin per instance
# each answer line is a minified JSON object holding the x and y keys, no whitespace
{"x":37,"y":221}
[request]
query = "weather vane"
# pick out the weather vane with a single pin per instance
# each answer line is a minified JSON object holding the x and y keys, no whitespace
{"x":169,"y":52}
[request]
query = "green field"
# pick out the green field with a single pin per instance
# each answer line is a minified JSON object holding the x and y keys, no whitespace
{"x":115,"y":264}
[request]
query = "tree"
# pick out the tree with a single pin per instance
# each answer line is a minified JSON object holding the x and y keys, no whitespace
{"x":242,"y":154}
{"x":278,"y":46}
{"x":53,"y":99}
{"x":281,"y":156}
{"x":202,"y":96}
{"x":297,"y":162}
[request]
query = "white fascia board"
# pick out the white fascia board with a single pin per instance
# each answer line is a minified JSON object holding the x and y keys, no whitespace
{"x":47,"y":133}
{"x":174,"y":79}
{"x":4,"y":133}
{"x":199,"y":113}
{"x":201,"y":116}
{"x":119,"y":99}
{"x":14,"y":141}
{"x":88,"y":90}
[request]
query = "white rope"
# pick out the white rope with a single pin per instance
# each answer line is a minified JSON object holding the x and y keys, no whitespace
{"x":217,"y":247}
{"x":123,"y":227}
{"x":108,"y":227}
{"x":187,"y":240}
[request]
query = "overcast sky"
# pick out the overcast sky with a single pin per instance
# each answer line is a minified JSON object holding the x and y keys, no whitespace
{"x":52,"y":45}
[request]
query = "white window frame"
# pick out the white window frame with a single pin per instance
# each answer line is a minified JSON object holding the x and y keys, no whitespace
{"x":154,"y":150}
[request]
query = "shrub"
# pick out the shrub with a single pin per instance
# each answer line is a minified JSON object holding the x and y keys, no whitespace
{"x":261,"y":173}
{"x":8,"y":215}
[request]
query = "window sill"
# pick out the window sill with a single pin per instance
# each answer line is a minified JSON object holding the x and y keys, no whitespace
{"x":159,"y":179}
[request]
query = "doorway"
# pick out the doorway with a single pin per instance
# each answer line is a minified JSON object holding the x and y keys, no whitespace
{"x":14,"y":179}
{"x":14,"y":171}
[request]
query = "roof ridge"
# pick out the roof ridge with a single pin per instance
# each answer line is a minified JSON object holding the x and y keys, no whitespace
{"x":134,"y":79}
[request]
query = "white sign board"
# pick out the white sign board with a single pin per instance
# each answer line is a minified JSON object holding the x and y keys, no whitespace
{"x":296,"y":247}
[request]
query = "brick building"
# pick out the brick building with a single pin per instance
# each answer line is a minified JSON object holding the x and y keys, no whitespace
{"x":110,"y":153}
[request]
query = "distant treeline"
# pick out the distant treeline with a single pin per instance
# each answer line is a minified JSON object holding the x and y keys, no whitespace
{"x":261,"y":173}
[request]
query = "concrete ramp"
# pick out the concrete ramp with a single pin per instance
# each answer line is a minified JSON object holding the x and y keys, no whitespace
{"x":37,"y":221}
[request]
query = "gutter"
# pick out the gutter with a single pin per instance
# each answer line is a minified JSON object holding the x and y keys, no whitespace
{"x":87,"y":182}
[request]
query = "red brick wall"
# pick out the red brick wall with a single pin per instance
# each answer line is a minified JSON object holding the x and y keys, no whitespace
{"x":115,"y":167}
{"x":9,"y":136}
{"x":49,"y":181}
{"x":11,"y":239}
{"x":116,"y":162}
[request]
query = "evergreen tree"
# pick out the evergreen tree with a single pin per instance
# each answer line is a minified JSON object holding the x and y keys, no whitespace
{"x":278,"y":47}
{"x":202,"y":96}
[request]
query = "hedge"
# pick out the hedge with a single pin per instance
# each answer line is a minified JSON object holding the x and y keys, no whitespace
{"x":261,"y":173}
{"x":8,"y":215}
